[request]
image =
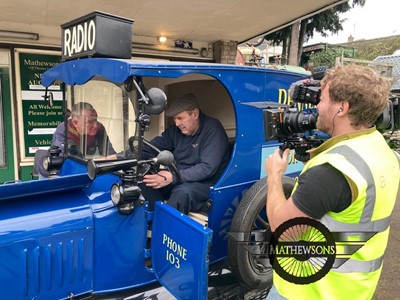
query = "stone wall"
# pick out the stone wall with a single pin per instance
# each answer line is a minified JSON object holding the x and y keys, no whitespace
{"x":225,"y":52}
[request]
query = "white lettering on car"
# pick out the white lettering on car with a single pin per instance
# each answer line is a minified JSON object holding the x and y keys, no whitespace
{"x":174,"y":252}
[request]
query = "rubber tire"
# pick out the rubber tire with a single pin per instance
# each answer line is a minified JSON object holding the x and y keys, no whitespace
{"x":252,"y":205}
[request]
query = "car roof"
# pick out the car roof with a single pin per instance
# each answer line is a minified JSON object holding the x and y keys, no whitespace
{"x":79,"y":71}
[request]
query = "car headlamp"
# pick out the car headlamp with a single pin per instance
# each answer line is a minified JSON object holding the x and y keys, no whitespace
{"x":115,"y":194}
{"x":124,"y":194}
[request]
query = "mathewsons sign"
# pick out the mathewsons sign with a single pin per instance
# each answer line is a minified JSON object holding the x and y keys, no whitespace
{"x":97,"y":34}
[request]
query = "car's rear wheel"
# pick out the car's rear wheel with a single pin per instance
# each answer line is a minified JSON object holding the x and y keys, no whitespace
{"x":248,"y":238}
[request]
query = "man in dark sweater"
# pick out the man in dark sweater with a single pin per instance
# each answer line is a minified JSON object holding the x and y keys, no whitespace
{"x":201,"y":150}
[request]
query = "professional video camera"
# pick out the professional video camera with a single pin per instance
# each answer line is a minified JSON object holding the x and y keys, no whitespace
{"x":294,"y":125}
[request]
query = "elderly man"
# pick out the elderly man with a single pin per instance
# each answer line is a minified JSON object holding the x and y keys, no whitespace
{"x":201,"y":151}
{"x":86,"y":135}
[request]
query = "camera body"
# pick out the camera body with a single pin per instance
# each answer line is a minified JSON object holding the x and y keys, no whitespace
{"x":295,"y":125}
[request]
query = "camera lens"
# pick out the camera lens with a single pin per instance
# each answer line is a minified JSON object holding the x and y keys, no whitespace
{"x":306,"y":92}
{"x":299,"y":121}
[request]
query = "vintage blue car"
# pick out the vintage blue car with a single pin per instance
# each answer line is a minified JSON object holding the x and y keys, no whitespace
{"x":84,"y":231}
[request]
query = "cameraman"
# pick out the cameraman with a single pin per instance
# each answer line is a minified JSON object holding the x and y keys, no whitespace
{"x":349,"y":185}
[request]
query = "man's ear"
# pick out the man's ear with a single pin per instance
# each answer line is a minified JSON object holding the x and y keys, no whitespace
{"x":196,"y":112}
{"x":74,"y":122}
{"x":345,"y":106}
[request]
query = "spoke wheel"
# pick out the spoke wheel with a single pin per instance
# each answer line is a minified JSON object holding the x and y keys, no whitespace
{"x":305,"y":250}
{"x":249,"y":233}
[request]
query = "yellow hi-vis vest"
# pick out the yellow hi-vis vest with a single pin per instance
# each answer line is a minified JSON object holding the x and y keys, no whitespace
{"x":374,"y":170}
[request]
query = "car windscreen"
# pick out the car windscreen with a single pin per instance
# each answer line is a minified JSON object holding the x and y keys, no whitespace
{"x":100,"y":123}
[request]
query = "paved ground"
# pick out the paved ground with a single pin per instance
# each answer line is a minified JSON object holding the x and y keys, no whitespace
{"x":389,"y":284}
{"x":226,"y":287}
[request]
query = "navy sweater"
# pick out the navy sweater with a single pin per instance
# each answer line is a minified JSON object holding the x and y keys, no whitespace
{"x":200,"y":157}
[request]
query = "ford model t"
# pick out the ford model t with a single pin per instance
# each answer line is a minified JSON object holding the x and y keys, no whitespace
{"x":87,"y":231}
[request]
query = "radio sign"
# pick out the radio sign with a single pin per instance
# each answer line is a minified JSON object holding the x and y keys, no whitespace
{"x":97,"y":35}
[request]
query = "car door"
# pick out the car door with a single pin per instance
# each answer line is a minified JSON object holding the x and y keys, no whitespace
{"x":179,"y":251}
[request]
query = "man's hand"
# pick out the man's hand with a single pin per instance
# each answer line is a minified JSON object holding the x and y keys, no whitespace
{"x":275,"y":164}
{"x":159,"y":180}
{"x":279,"y":209}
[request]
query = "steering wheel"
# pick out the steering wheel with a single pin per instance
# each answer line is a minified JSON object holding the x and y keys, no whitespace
{"x":154,"y":166}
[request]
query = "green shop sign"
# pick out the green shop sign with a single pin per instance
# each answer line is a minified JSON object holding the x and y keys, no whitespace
{"x":39,"y":119}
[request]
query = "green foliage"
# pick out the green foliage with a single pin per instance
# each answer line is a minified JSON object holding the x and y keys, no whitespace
{"x":324,"y":22}
{"x":278,"y":37}
{"x":328,"y":57}
{"x":329,"y":20}
{"x":364,"y":49}
{"x":370,"y":49}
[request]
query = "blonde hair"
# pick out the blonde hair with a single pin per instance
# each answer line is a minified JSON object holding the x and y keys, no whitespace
{"x":366,"y":92}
